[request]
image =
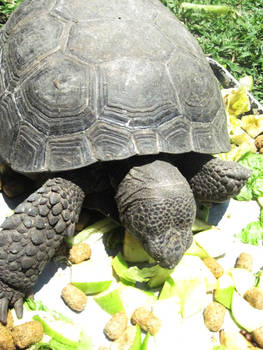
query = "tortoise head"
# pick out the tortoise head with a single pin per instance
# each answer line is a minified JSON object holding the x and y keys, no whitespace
{"x":157,"y":206}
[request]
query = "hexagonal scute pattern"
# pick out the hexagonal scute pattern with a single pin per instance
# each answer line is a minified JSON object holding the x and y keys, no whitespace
{"x":85,"y":81}
{"x":57,"y":98}
{"x":31,"y":42}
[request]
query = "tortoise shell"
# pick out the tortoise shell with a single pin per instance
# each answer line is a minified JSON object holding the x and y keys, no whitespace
{"x":86,"y":81}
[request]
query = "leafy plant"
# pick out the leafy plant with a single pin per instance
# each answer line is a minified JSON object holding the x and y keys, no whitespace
{"x":6,"y":8}
{"x":233,"y":38}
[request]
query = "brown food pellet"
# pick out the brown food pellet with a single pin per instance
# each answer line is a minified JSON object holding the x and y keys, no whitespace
{"x":259,"y":143}
{"x":116,"y":325}
{"x":79,"y":252}
{"x":74,"y":297}
{"x":10,"y":320}
{"x":257,"y":336}
{"x":214,"y":316}
{"x":244,"y":261}
{"x":126,"y":340}
{"x":146,"y":319}
{"x":214,"y":266}
{"x":6,"y":340}
{"x":254,"y":296}
{"x":27,"y":334}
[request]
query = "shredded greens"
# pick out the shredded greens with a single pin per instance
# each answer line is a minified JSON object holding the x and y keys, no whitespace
{"x":253,"y":190}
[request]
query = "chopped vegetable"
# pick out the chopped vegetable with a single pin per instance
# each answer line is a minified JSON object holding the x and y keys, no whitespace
{"x":192,"y":268}
{"x":145,"y":342}
{"x":64,"y":333}
{"x":137,"y":339}
{"x":252,"y":124}
{"x":84,"y":343}
{"x":224,"y":290}
{"x":192,"y":295}
{"x":213,"y":241}
{"x":242,"y":278}
{"x":196,"y":250}
{"x":224,"y":296}
{"x":155,"y":275}
{"x":92,"y":277}
{"x":252,"y":233}
{"x":110,"y":301}
{"x":201,"y":225}
{"x":245,"y":315}
{"x":214,"y":316}
{"x":253,"y":188}
{"x":236,"y":100}
{"x":99,"y":228}
{"x":133,"y":250}
{"x":133,"y":298}
{"x":188,"y":294}
{"x":220,"y":347}
{"x":211,"y":9}
{"x":259,"y":277}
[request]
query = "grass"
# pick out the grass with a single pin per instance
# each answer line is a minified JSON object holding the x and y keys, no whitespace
{"x":234,"y":39}
{"x":6,"y":8}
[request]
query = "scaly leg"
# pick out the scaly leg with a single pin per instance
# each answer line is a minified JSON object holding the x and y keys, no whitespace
{"x":217,"y":180}
{"x":29,"y":237}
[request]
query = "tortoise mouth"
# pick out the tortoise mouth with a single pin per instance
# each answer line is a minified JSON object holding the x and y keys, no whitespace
{"x":168,"y":253}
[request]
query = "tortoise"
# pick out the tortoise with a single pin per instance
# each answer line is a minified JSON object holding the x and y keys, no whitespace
{"x":114,"y":106}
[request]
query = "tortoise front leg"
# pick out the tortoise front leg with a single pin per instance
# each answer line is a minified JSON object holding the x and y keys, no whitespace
{"x":218,"y":180}
{"x":30,"y":236}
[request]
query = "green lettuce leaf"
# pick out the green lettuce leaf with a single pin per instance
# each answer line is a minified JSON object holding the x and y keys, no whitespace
{"x":134,"y":274}
{"x":252,"y":233}
{"x":254,"y":186}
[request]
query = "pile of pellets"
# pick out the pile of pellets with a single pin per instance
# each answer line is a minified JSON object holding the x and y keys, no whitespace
{"x":118,"y":329}
{"x":214,"y":314}
{"x":21,"y":336}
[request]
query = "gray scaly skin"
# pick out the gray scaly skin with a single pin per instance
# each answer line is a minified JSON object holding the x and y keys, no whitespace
{"x":218,"y":180}
{"x":155,"y":202}
{"x":157,"y":205}
{"x":29,"y":238}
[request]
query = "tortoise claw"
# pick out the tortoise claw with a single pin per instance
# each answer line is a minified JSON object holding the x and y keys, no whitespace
{"x":3,"y":310}
{"x":18,"y":306}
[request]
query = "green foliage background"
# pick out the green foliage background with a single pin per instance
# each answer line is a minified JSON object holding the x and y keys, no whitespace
{"x":234,"y":39}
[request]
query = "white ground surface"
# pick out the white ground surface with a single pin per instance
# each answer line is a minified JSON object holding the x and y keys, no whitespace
{"x":231,"y":217}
